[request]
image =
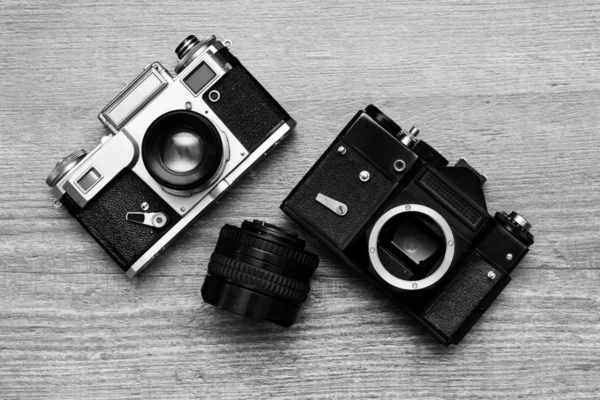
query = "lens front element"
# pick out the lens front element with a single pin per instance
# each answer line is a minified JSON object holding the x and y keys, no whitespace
{"x":182,"y":150}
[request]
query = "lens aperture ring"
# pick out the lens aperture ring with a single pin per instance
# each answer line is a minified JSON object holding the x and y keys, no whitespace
{"x":237,"y":234}
{"x":258,"y":278}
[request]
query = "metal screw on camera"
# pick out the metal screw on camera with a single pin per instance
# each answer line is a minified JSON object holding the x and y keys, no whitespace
{"x":509,"y":257}
{"x":214,"y":96}
{"x":491,"y":275}
{"x":399,"y":165}
{"x":364,"y":176}
{"x":342,"y":150}
{"x":145,"y":206}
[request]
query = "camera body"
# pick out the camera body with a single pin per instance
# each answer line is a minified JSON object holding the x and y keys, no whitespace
{"x":391,"y":208}
{"x":177,"y":142}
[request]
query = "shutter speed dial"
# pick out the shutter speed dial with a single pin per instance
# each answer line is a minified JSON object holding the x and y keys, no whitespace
{"x":64,"y":165}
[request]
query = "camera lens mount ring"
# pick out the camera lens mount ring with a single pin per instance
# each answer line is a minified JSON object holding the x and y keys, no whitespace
{"x":401,"y":283}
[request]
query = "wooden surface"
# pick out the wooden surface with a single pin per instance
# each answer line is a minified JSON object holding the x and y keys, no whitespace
{"x":513,"y":86}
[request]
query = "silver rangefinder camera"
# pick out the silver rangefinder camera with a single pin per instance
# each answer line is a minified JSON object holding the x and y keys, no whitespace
{"x":177,"y":142}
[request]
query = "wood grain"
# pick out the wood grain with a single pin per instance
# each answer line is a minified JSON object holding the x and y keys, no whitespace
{"x":514,"y":86}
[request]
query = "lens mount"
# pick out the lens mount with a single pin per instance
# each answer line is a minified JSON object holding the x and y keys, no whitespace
{"x":406,"y":284}
{"x":183,"y":151}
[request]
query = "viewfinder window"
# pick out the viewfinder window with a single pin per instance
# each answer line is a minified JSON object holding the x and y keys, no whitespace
{"x":89,"y":179}
{"x":199,"y":78}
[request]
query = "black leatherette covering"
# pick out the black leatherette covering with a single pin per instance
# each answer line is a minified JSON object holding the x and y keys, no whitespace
{"x":245,"y":107}
{"x":337,"y":176}
{"x":462,"y":296}
{"x":104,"y":218}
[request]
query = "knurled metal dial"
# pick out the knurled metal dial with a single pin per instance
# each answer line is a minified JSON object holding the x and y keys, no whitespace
{"x":64,"y":165}
{"x":516,"y":225}
{"x":188,"y":48}
{"x":520,"y":220}
{"x":429,"y":154}
{"x":300,"y":256}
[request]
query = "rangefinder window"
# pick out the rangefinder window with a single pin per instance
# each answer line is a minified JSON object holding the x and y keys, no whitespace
{"x":89,"y":179}
{"x":199,"y":78}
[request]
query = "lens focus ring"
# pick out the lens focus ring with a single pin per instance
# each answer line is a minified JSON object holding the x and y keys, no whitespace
{"x":263,"y":259}
{"x":260,"y":279}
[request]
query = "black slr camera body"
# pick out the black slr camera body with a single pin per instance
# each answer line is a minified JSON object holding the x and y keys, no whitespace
{"x":177,"y":143}
{"x":390,"y":207}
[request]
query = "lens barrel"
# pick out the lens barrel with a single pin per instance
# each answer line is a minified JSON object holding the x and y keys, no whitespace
{"x":182,"y":150}
{"x":259,"y":271}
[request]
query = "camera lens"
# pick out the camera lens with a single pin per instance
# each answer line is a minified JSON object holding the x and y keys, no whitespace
{"x":182,"y":150}
{"x":259,"y":271}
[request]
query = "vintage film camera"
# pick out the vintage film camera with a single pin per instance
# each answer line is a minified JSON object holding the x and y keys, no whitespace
{"x":389,"y":206}
{"x":177,"y":143}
